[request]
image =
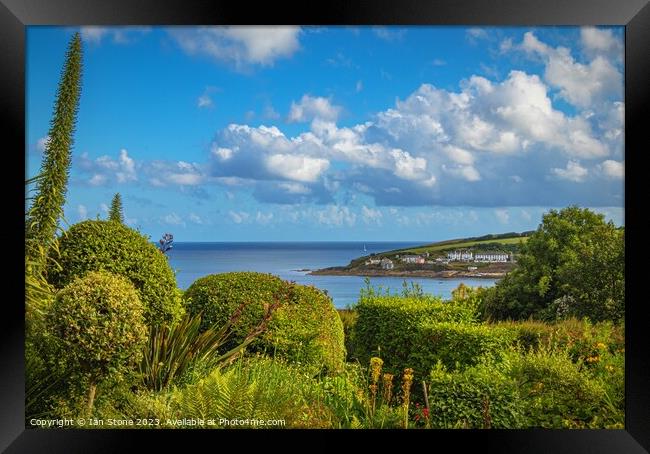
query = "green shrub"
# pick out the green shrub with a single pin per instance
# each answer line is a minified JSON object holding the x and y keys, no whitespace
{"x":558,"y":393}
{"x":349,"y":320}
{"x":580,"y":338}
{"x":111,"y":246}
{"x":305,"y":328}
{"x":457,"y":344}
{"x":387,"y":326}
{"x":479,"y":397}
{"x":98,"y":322}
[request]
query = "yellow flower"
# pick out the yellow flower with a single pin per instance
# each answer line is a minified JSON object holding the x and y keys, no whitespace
{"x":375,"y":368}
{"x":601,"y":346}
{"x":388,"y":387}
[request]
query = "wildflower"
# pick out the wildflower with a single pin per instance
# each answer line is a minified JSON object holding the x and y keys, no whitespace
{"x":375,"y":368}
{"x":407,"y":381}
{"x":601,"y":346}
{"x":387,"y":383}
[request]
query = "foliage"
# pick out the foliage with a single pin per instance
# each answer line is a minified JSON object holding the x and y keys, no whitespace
{"x":105,"y":245}
{"x":349,"y":320}
{"x":456,"y":345}
{"x":305,"y":328}
{"x":580,"y":338}
{"x":359,"y":399}
{"x":388,"y":325}
{"x":480,"y":397}
{"x":175,"y":351}
{"x":256,"y":388}
{"x":573,"y":265}
{"x":47,"y":207}
{"x":41,"y":382}
{"x":115,"y":213}
{"x":98,"y":321}
{"x":556,"y":391}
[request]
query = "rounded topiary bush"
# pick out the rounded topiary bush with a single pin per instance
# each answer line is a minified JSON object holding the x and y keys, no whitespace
{"x":111,"y":246}
{"x":305,"y":328}
{"x":98,"y":323}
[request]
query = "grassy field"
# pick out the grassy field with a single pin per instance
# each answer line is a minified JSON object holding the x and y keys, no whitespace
{"x":458,"y":244}
{"x":437,"y":248}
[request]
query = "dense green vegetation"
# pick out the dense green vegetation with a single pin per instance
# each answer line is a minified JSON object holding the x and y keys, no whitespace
{"x":573,"y":265}
{"x":111,"y":338}
{"x":106,"y":245}
{"x":304,"y":327}
{"x":97,"y":323}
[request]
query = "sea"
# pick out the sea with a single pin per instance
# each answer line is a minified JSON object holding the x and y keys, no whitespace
{"x":288,"y":260}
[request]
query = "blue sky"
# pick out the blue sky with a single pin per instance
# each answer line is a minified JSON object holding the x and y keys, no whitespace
{"x":336,"y":133}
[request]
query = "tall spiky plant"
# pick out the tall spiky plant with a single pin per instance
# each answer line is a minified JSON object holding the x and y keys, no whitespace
{"x":116,"y":209}
{"x":42,"y":219}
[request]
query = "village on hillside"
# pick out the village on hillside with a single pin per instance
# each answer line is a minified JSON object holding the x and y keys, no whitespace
{"x":454,"y":256}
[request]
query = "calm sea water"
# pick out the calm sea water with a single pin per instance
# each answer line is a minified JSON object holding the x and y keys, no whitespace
{"x":194,"y":260}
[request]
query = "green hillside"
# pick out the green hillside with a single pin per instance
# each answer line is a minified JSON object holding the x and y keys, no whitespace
{"x":504,"y":242}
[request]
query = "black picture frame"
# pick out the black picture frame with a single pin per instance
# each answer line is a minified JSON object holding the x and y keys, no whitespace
{"x":15,"y":15}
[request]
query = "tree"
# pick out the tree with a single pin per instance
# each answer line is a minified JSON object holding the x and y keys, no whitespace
{"x":51,"y":185}
{"x":572,"y":265}
{"x":98,"y":323}
{"x":116,"y":209}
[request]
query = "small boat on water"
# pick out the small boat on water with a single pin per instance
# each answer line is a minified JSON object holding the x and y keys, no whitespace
{"x":364,"y":248}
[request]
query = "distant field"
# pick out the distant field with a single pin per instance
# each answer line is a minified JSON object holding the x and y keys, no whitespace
{"x":455,"y":244}
{"x":462,"y":244}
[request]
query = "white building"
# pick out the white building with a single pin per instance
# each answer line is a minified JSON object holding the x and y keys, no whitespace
{"x":460,"y":256}
{"x":373,"y":261}
{"x":413,"y":259}
{"x":496,"y":257}
{"x":387,"y":264}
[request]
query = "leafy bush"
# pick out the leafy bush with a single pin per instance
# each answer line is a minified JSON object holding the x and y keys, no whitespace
{"x":572,"y":265}
{"x":388,"y":325}
{"x":305,"y":328}
{"x":113,"y":247}
{"x":556,"y":391}
{"x":479,"y":397}
{"x":457,"y":344}
{"x":349,"y":320}
{"x":580,"y":338}
{"x":98,"y":322}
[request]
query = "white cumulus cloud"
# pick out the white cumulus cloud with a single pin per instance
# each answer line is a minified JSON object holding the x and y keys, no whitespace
{"x":613,"y":169}
{"x":310,"y":107}
{"x":573,"y":172}
{"x":240,"y":46}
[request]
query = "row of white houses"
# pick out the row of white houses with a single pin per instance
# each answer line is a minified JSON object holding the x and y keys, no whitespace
{"x":489,"y":257}
{"x":455,"y":256}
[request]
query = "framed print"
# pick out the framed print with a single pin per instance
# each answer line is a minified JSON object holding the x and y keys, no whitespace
{"x":357,"y":218}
